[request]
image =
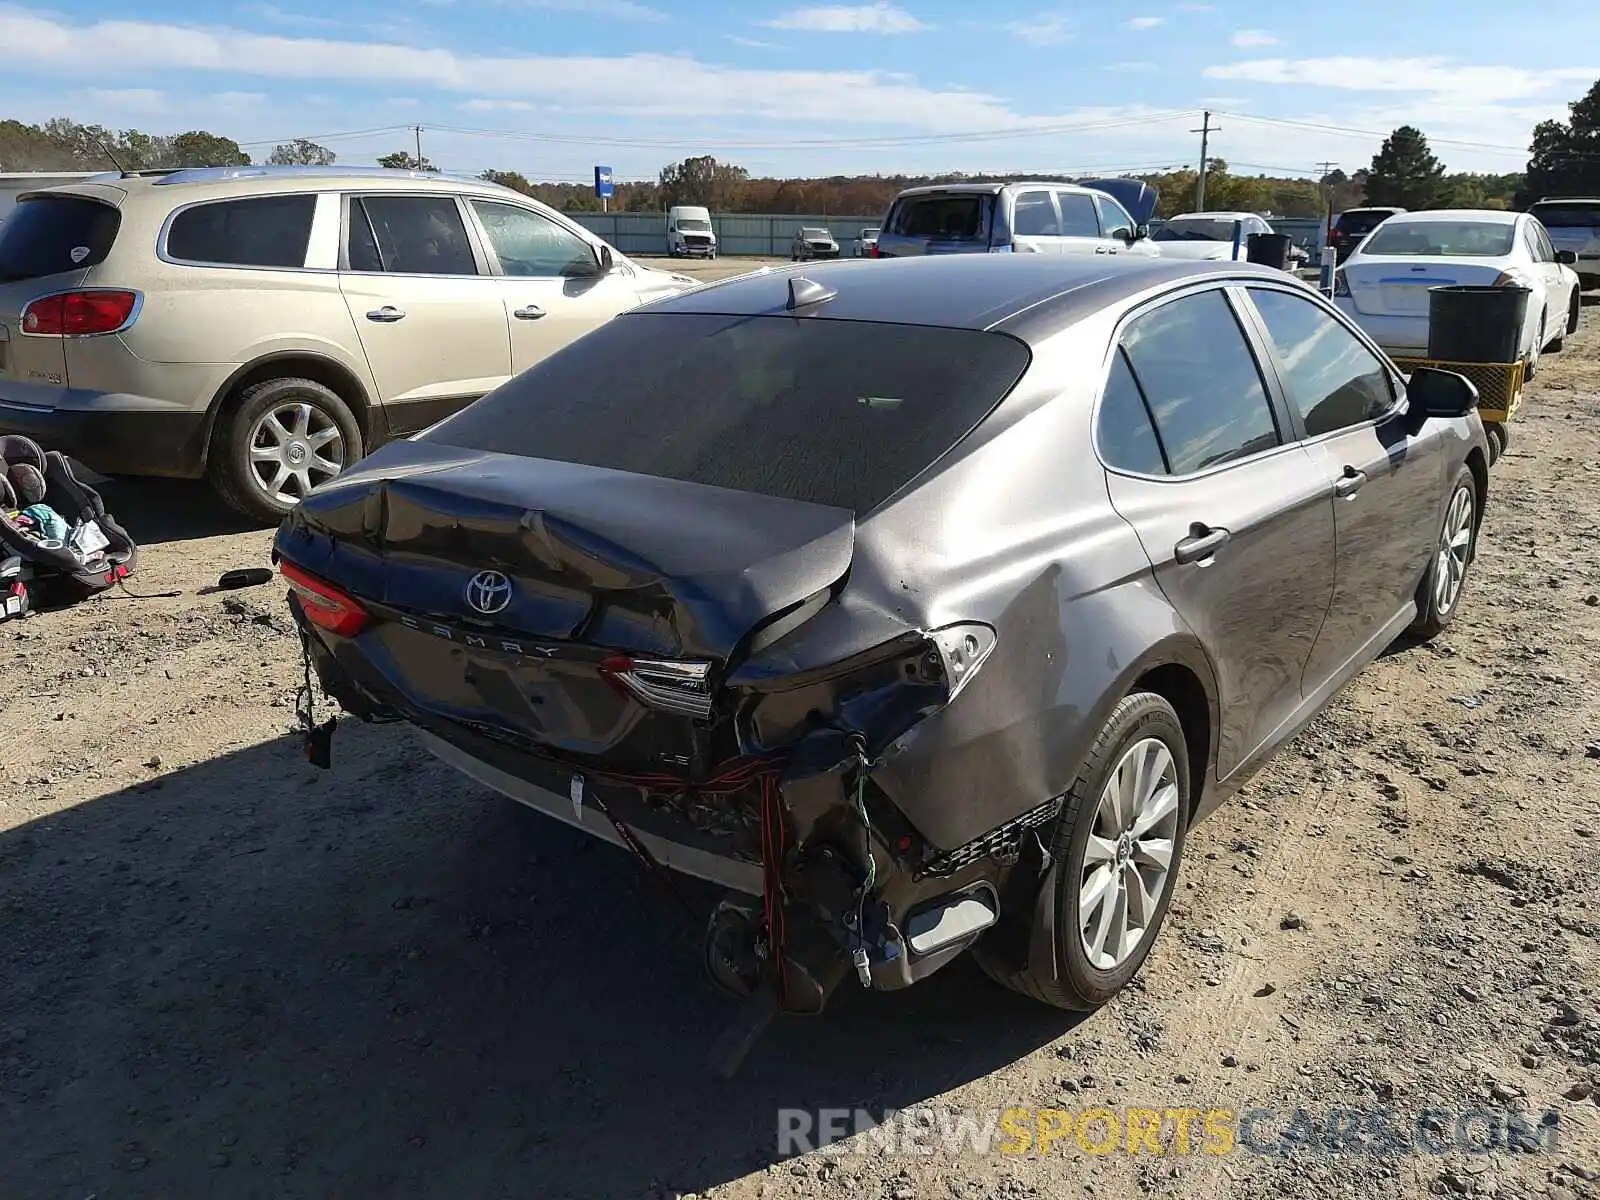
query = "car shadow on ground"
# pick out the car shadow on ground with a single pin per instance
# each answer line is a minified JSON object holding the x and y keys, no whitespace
{"x":154,"y":511}
{"x":249,"y":977}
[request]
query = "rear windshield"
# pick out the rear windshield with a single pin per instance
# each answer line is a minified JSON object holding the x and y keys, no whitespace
{"x":842,"y":413}
{"x":46,"y":235}
{"x":1574,"y":214}
{"x":1196,"y":229}
{"x":1361,"y":222}
{"x":949,"y":218}
{"x":1451,"y":239}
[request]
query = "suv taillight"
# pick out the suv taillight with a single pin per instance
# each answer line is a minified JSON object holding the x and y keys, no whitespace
{"x":79,"y":314}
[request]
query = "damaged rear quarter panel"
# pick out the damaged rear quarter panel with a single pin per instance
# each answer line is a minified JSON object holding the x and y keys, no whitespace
{"x":1013,"y":529}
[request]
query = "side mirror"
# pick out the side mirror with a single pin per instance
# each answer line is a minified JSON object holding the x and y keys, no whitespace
{"x":1431,"y":392}
{"x":1566,"y":257}
{"x":607,"y":259}
{"x":1140,"y":232}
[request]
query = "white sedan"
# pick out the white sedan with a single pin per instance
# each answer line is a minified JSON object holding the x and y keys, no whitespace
{"x":1383,"y":286}
{"x":1213,"y":236}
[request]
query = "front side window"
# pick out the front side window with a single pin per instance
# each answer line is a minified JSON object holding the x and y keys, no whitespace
{"x":261,"y":231}
{"x":1034,"y":215}
{"x":409,"y":235}
{"x":527,"y":243}
{"x":1331,"y":377}
{"x":1077,"y":215}
{"x":1200,"y":378}
{"x":1114,"y":218}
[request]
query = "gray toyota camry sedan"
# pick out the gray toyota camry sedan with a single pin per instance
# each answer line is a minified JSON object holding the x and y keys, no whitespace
{"x":924,"y":604}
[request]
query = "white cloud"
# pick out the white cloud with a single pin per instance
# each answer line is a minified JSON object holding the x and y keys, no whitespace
{"x":140,"y":100}
{"x":753,"y":43}
{"x":1130,"y":68}
{"x":646,"y":85}
{"x":1435,"y":76}
{"x":845,"y":18}
{"x":482,"y":105}
{"x":274,"y":15}
{"x":1145,"y":22}
{"x":1253,"y":37}
{"x":1043,"y":29}
{"x":401,"y":102}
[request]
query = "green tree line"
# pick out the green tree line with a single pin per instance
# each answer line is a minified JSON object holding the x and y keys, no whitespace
{"x":1564,"y":160}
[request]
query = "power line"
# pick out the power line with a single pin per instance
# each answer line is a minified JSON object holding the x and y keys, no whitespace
{"x":1368,"y":133}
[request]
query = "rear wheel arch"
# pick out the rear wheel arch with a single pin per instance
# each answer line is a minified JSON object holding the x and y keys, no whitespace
{"x":1180,"y":686}
{"x":338,"y":379}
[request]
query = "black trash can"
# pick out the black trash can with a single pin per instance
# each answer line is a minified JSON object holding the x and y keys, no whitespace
{"x":1269,"y":249}
{"x":1476,"y":324}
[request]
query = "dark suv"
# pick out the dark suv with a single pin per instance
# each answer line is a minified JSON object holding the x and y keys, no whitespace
{"x":1353,"y":224}
{"x":925,"y":604}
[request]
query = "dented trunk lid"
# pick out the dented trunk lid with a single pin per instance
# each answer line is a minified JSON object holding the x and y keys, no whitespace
{"x":590,"y":568}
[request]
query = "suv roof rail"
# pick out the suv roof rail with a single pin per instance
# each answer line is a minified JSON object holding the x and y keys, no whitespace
{"x":267,"y":170}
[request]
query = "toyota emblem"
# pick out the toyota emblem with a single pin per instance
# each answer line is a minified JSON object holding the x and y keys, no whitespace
{"x":488,"y":592}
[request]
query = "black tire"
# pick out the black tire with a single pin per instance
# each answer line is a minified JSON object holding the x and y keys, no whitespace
{"x":229,"y":467}
{"x":1494,"y":434}
{"x":1576,"y":313}
{"x":1433,"y":616}
{"x":1081,"y":986}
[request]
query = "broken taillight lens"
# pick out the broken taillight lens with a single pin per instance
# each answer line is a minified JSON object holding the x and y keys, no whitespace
{"x":683,"y":688}
{"x":325,"y":605}
{"x":962,"y":650}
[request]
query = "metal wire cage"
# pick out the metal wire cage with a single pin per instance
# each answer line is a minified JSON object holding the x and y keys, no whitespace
{"x":1499,"y":384}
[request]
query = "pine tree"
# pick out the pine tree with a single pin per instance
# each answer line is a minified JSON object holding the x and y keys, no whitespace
{"x":1404,"y":172}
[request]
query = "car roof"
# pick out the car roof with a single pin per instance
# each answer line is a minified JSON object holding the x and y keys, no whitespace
{"x":958,"y":291}
{"x":1489,"y":216}
{"x":184,"y":186}
{"x":991,"y":189}
{"x":1217,"y":215}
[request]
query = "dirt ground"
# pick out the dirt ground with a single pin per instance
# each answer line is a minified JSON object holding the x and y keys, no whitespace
{"x":225,"y":973}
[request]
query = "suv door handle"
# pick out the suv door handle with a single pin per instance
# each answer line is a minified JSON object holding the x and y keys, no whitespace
{"x":1349,"y":483}
{"x":386,"y":315}
{"x":528,"y":312}
{"x":1201,"y":545}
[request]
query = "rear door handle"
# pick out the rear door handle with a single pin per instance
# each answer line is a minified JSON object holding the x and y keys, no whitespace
{"x":386,"y":315}
{"x":1202,"y":544}
{"x":528,"y":312}
{"x":1349,"y":483}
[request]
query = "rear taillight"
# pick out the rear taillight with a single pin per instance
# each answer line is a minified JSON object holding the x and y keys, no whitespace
{"x":324,"y":604}
{"x":1509,"y":279}
{"x":79,"y":314}
{"x":1341,"y":285}
{"x":683,"y":688}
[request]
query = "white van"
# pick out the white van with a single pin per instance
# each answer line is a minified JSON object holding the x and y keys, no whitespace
{"x":689,"y":233}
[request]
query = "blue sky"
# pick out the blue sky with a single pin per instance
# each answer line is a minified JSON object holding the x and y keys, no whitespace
{"x":551,"y":87}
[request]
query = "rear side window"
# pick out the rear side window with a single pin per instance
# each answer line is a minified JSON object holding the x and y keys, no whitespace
{"x":46,"y":235}
{"x":950,"y":218}
{"x":1077,"y":215}
{"x":1331,"y":377}
{"x":262,"y":231}
{"x":841,"y":413}
{"x":409,"y":235}
{"x":1127,"y":437}
{"x":1202,"y":382}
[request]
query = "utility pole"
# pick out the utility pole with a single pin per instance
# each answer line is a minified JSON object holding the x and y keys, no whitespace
{"x":1205,"y":131}
{"x":418,"y":130}
{"x":1324,"y":169}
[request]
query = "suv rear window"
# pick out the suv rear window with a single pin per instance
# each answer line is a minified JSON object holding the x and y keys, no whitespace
{"x":46,"y":235}
{"x":842,"y":413}
{"x":262,"y":231}
{"x":945,"y":218}
{"x":1568,"y":214}
{"x":1360,"y":222}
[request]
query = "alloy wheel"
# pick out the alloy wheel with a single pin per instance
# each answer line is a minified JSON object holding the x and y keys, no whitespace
{"x":1127,"y":861}
{"x":294,"y":447}
{"x":1455,"y":549}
